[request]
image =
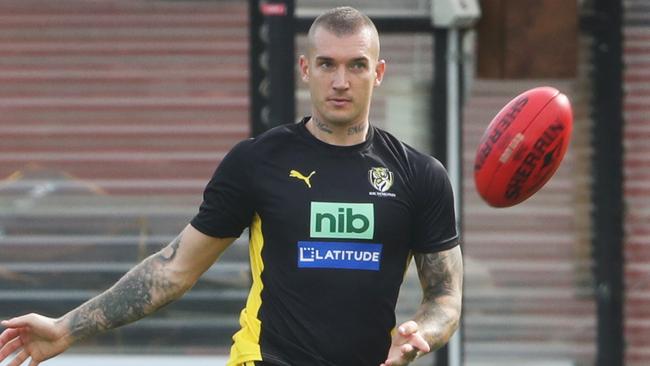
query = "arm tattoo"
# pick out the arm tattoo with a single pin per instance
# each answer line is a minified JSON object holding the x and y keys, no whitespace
{"x":441,"y":276}
{"x":174,"y":248}
{"x":144,"y":289}
{"x":322,"y":126}
{"x":357,"y":129}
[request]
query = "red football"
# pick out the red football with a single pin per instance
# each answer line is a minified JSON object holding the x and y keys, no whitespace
{"x":523,"y":146}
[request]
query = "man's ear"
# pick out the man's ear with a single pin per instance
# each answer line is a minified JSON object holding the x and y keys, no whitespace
{"x":380,"y":69}
{"x":304,"y":68}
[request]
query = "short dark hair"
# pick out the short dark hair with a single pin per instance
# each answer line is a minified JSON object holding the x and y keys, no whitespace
{"x":342,"y":21}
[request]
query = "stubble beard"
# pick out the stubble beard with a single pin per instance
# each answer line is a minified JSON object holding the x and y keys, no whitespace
{"x":339,"y":119}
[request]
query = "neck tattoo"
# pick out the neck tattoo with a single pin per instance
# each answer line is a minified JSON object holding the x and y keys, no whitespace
{"x":360,"y":128}
{"x":322,"y":126}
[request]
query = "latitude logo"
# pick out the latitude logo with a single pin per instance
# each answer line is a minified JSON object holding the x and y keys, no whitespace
{"x":356,"y":256}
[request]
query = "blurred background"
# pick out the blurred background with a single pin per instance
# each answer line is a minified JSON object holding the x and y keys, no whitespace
{"x":115,"y":113}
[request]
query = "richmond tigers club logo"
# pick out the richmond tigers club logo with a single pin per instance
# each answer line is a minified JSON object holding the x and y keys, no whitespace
{"x":380,"y":178}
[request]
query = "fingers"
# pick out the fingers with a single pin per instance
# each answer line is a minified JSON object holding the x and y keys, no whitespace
{"x":400,"y":355}
{"x":403,"y":358}
{"x":408,"y":352}
{"x":21,"y":321}
{"x":409,"y":330}
{"x":19,"y":359}
{"x":406,"y":344}
{"x":417,"y":341}
{"x":406,"y":349}
{"x":32,"y":323}
{"x":8,"y":335}
{"x":10,"y":347}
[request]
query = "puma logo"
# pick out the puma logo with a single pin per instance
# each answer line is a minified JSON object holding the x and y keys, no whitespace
{"x":297,"y":174}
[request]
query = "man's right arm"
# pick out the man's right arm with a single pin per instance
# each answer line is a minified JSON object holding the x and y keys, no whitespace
{"x":158,"y":280}
{"x":155,"y":282}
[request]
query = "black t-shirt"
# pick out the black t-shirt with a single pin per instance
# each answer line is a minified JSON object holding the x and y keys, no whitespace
{"x":332,"y":229}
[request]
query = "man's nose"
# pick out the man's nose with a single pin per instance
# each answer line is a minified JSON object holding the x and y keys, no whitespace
{"x":340,"y":79}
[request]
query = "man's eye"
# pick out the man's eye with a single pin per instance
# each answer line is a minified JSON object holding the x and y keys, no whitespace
{"x":358,"y":66}
{"x":326,"y":65}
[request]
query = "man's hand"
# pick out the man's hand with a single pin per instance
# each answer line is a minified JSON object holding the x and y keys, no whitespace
{"x":406,"y":344}
{"x":34,"y":336}
{"x":155,"y":282}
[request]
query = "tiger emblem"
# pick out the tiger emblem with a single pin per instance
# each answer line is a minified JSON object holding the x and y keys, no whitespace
{"x":380,"y":178}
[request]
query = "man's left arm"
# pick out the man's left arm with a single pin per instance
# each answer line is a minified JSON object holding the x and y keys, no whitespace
{"x":441,"y":277}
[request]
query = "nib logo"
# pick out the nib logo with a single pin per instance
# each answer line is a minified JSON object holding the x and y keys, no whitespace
{"x":342,"y":220}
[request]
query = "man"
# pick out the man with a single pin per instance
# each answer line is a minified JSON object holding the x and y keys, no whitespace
{"x":336,"y":209}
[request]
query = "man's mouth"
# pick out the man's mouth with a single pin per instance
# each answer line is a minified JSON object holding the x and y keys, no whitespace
{"x":339,"y":101}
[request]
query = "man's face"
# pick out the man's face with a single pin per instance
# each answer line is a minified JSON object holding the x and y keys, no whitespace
{"x":342,"y":73}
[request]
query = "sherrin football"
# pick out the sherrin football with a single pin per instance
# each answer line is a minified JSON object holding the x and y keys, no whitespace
{"x":523,"y":146}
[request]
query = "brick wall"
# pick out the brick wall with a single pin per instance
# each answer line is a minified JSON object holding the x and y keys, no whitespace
{"x":637,"y":181}
{"x":113,"y":116}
